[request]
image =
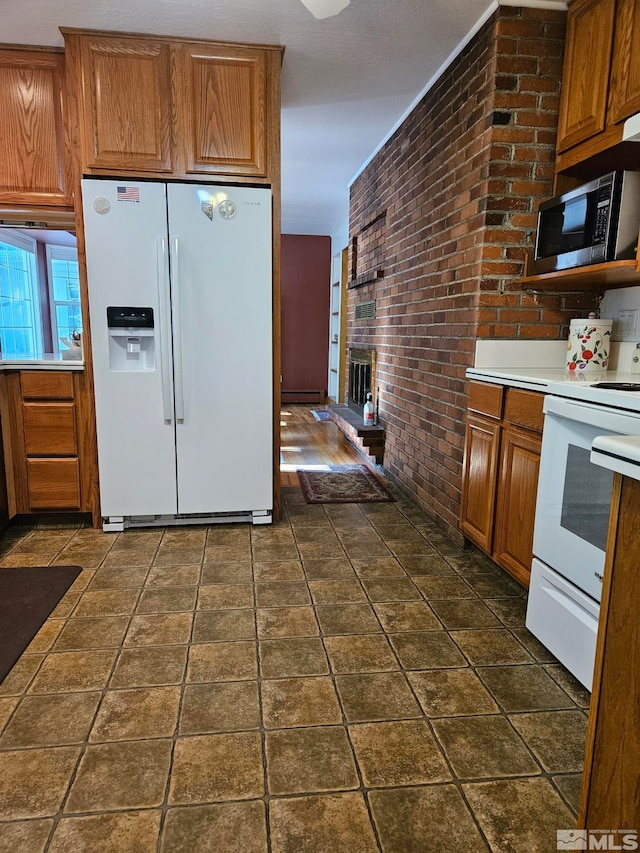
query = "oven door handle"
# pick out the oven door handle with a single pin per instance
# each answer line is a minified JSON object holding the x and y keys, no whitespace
{"x":600,"y":417}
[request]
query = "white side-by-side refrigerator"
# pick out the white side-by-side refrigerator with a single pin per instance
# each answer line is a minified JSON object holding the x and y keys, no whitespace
{"x":180,"y":302}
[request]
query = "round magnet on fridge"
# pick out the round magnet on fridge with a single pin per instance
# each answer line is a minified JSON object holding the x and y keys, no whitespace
{"x":227,"y":209}
{"x":101,"y":204}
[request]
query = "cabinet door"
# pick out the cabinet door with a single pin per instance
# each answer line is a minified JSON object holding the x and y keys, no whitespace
{"x":515,"y":513}
{"x":34,"y":164}
{"x":480,"y":469}
{"x":624,"y":86}
{"x":585,"y":76}
{"x":126,"y":104}
{"x":219,"y":100}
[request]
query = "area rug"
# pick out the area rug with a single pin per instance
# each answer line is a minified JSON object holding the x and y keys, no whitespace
{"x":342,"y":484}
{"x":27,"y":597}
{"x":320,"y":415}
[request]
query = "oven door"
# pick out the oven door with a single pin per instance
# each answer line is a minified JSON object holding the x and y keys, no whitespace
{"x":574,"y":495}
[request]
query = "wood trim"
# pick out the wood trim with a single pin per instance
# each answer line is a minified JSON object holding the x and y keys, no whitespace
{"x":83,"y":381}
{"x":6,"y":418}
{"x":15,"y":454}
{"x":78,"y":31}
{"x":274,"y":61}
{"x":596,"y":277}
{"x":342,"y":356}
{"x":611,"y":775}
{"x":600,"y":143}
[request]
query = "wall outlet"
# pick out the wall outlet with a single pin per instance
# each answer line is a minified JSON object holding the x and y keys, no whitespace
{"x":626,"y":324}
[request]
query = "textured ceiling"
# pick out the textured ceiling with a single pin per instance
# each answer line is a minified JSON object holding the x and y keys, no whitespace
{"x":346,"y":80}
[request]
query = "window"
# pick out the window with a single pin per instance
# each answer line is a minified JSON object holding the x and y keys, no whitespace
{"x":20,"y":326}
{"x":64,"y":293}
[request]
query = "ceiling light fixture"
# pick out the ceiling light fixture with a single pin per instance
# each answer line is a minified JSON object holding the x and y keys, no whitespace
{"x":325,"y":8}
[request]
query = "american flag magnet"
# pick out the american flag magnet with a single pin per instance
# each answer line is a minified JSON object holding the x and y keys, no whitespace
{"x":128,"y":194}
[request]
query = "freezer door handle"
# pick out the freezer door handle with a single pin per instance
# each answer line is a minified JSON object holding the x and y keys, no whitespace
{"x":177,"y":329}
{"x":163,"y":332}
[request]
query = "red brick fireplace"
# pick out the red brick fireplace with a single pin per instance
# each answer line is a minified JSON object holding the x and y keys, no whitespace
{"x":440,"y":221}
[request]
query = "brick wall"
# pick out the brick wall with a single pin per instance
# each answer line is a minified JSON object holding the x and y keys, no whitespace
{"x":456,"y":188}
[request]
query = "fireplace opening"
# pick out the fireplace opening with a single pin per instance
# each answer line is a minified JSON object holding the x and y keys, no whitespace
{"x":362,"y":367}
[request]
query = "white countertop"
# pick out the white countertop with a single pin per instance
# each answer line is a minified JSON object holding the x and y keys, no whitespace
{"x":620,"y":453}
{"x":44,"y":361}
{"x":556,"y":381}
{"x":532,"y":378}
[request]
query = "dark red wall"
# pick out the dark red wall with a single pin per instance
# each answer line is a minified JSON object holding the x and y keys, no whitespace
{"x":306,"y":286}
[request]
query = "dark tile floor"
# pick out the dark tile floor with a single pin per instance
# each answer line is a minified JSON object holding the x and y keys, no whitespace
{"x":346,"y":681}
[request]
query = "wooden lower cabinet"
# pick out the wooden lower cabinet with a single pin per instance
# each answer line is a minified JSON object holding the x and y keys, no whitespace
{"x":500,"y":474}
{"x":41,"y":441}
{"x":481,"y":454}
{"x":516,"y":503}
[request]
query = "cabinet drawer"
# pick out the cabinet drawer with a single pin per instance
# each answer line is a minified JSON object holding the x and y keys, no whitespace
{"x":45,"y":385}
{"x":53,"y":484}
{"x":524,"y":409}
{"x":50,"y":429}
{"x":486,"y":398}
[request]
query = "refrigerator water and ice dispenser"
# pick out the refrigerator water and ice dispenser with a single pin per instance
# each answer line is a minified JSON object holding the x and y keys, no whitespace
{"x":131,"y":338}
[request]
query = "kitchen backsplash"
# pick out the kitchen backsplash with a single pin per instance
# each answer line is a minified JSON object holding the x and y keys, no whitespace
{"x":542,"y":354}
{"x":623,"y":307}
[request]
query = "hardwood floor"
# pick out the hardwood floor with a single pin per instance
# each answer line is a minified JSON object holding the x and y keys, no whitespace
{"x":306,"y":443}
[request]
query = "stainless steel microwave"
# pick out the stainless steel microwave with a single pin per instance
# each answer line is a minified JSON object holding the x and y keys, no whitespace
{"x":591,"y":224}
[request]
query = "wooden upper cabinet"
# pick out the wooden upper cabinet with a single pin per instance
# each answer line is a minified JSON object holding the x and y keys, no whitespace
{"x":125,"y":111}
{"x":159,"y":106}
{"x":34,"y":166}
{"x":585,"y":78}
{"x":219,"y":102}
{"x":624,"y":85}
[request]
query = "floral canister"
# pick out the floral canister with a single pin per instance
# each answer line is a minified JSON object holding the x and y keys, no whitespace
{"x":588,"y":346}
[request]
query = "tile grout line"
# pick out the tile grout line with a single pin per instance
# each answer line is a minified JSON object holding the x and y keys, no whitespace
{"x":83,"y":747}
{"x":191,"y":642}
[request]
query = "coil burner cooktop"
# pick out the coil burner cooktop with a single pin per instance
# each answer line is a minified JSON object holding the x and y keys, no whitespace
{"x":615,"y":392}
{"x":618,"y":386}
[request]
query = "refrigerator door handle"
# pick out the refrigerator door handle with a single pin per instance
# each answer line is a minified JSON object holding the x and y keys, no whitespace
{"x":177,"y":330}
{"x":164,"y":335}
